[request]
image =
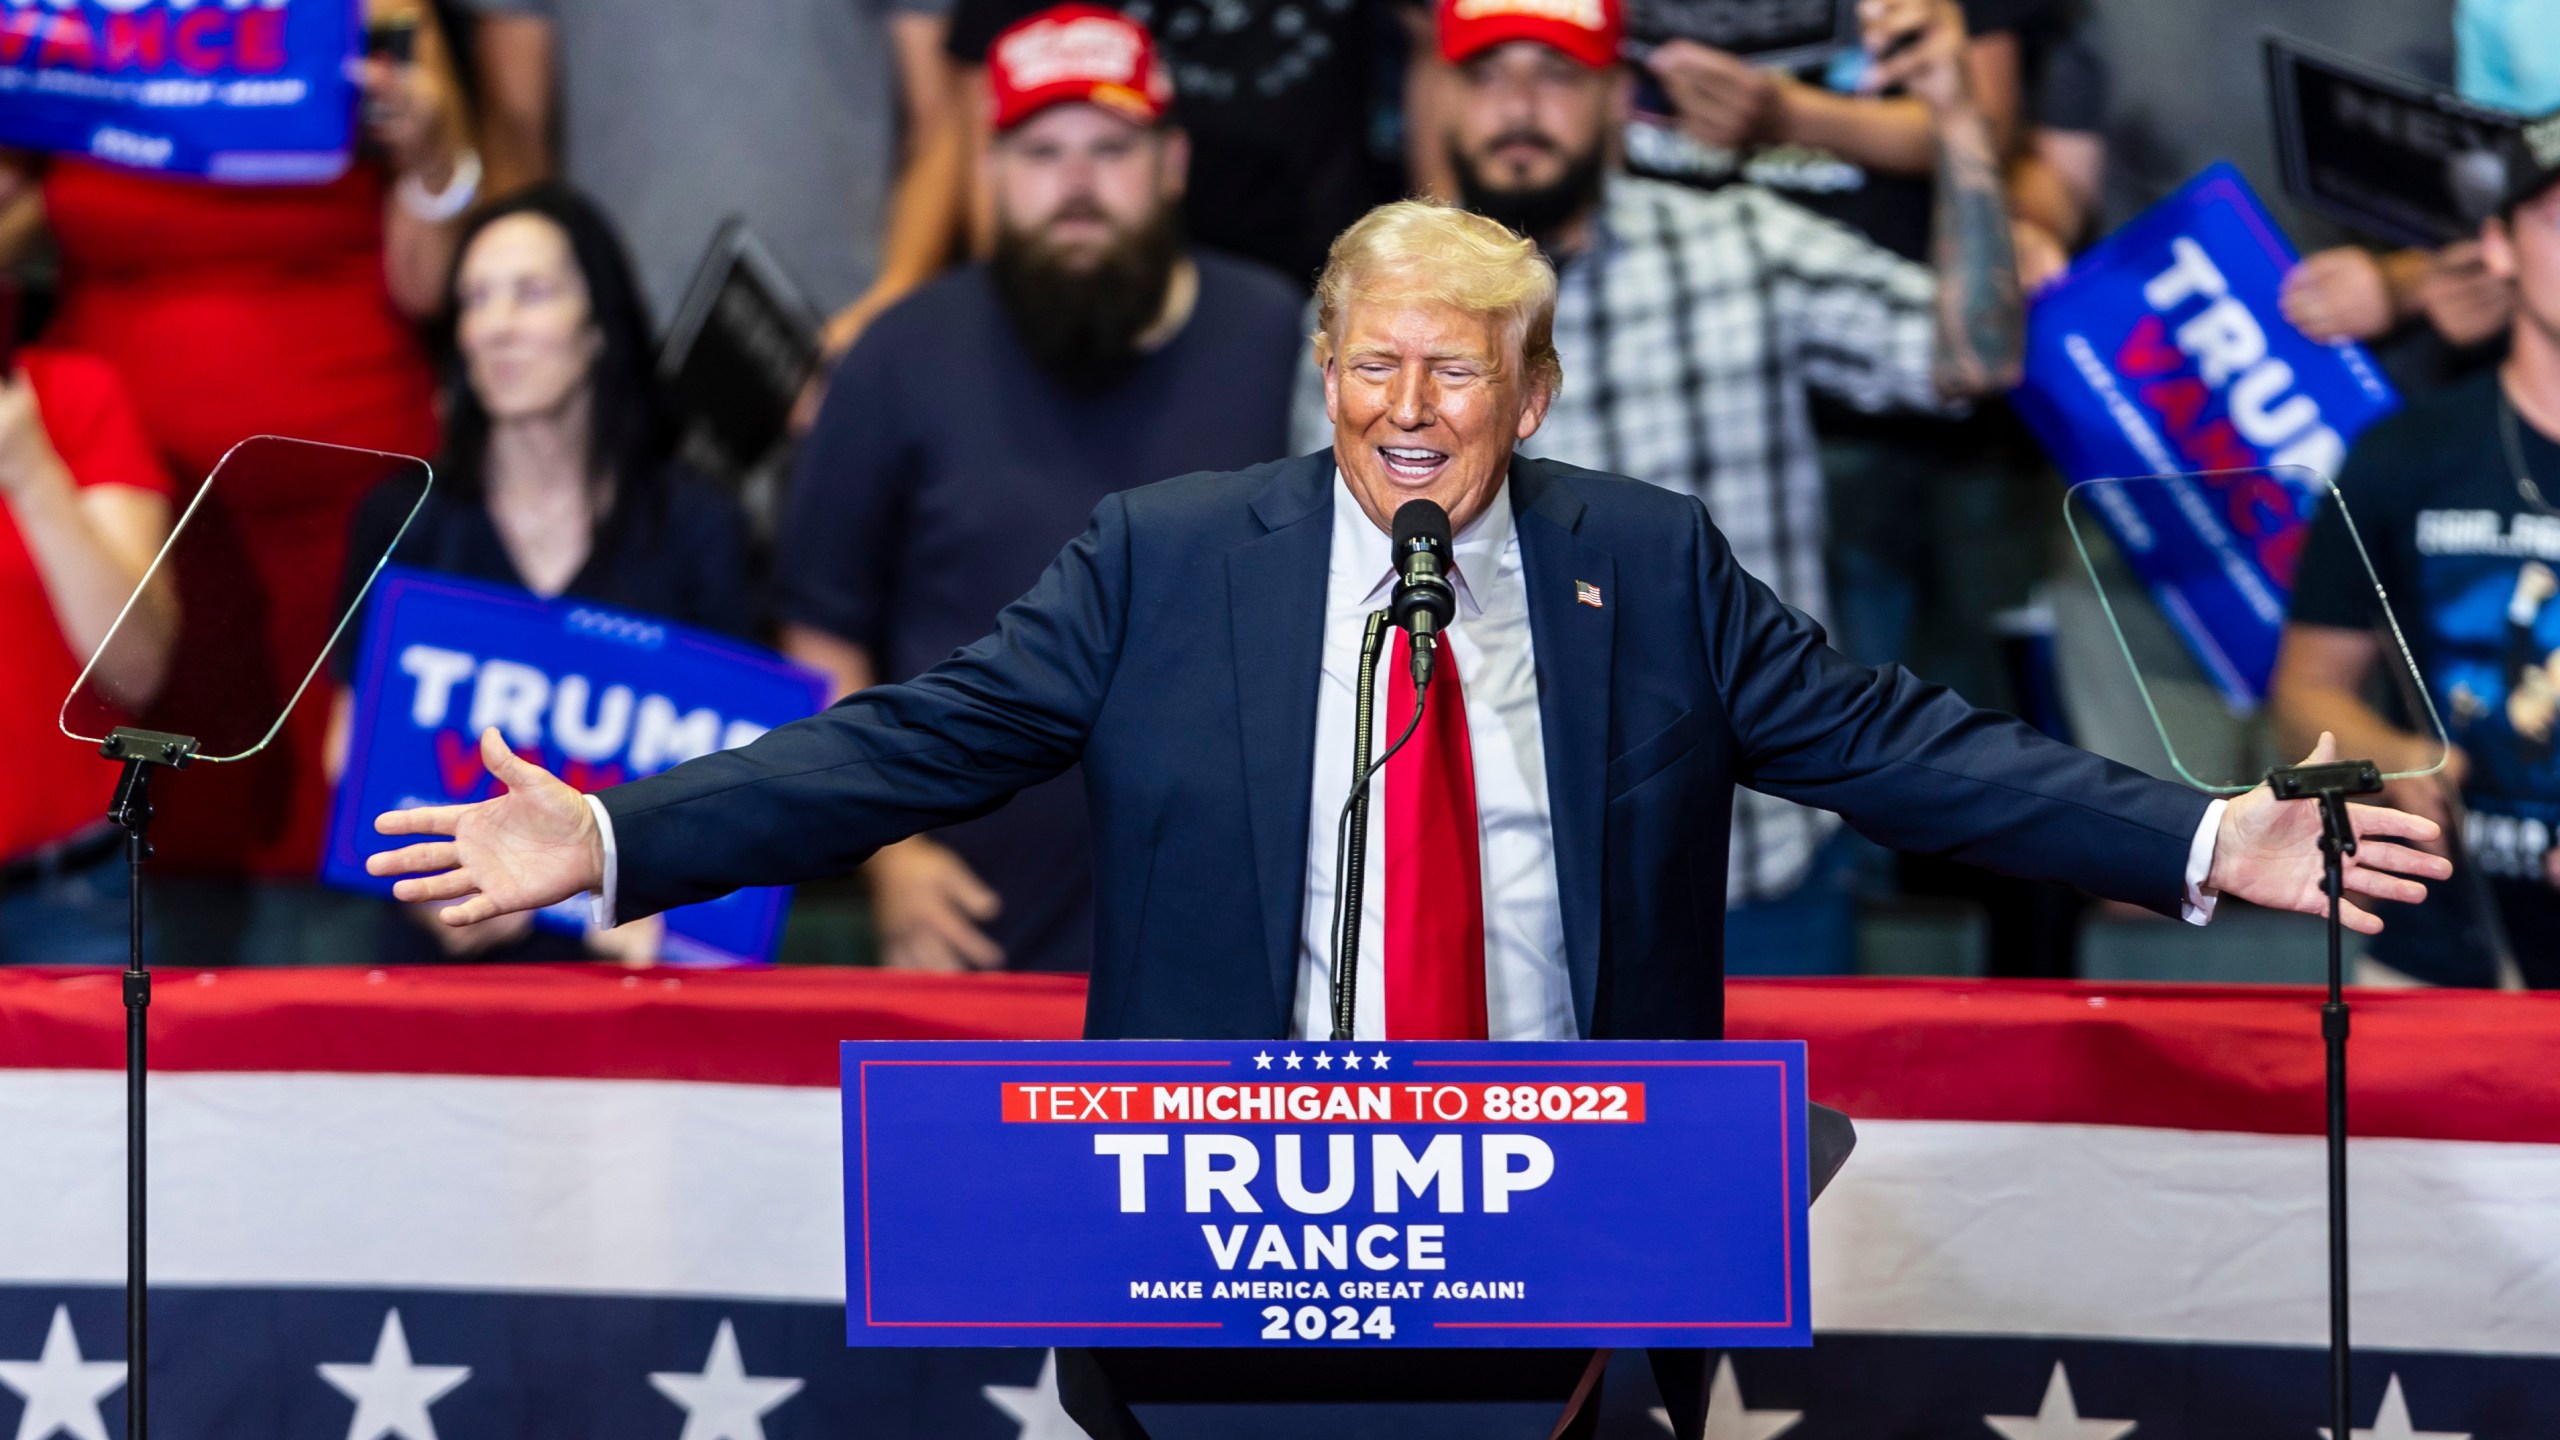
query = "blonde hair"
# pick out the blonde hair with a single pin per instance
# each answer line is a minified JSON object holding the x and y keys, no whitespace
{"x":1424,"y":250}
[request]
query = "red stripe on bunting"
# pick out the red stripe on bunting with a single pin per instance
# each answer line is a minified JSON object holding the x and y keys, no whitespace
{"x":769,"y":1027}
{"x":2422,"y":1064}
{"x":2446,"y":1065}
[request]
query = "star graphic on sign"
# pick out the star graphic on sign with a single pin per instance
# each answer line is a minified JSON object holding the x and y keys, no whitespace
{"x":1262,"y":1061}
{"x":62,"y":1390}
{"x":1037,"y":1405}
{"x":1378,"y":1061}
{"x":2058,"y":1418}
{"x":1323,"y":1061}
{"x":723,"y":1402}
{"x":391,"y":1394}
{"x":1351,"y":1061}
{"x":1727,"y":1419}
{"x":1290,"y":1059}
{"x":2391,"y":1422}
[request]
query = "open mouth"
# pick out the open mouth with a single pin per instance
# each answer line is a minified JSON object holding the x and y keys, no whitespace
{"x":1413,"y":465}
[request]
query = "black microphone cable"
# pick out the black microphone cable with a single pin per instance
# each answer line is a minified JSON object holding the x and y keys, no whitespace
{"x":1351,"y":830}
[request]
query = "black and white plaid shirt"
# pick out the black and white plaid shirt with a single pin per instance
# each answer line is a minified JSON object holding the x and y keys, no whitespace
{"x":1691,"y":329}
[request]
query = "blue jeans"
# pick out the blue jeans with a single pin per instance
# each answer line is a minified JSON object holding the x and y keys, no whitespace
{"x":77,"y":917}
{"x":1810,"y":930}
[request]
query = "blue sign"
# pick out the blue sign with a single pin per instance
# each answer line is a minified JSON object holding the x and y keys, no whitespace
{"x":247,"y":91}
{"x":2163,"y":353}
{"x":595,"y":696}
{"x":1294,"y":1193}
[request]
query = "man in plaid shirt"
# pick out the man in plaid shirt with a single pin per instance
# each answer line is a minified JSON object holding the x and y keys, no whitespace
{"x":1692,"y":325}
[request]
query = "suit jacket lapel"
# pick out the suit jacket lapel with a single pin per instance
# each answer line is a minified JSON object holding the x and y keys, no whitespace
{"x":1572,"y":591}
{"x":1276,"y":599}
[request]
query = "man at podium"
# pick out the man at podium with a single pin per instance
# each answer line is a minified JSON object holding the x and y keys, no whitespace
{"x":1551,"y":839}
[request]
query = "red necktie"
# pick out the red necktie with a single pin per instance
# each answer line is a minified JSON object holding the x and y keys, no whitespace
{"x":1435,"y":885}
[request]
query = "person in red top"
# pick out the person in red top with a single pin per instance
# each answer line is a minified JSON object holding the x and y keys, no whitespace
{"x":233,"y":311}
{"x":84,"y":505}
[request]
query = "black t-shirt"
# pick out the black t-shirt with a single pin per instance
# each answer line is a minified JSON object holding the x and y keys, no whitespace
{"x":2472,"y":572}
{"x":1892,"y":210}
{"x":946,"y":472}
{"x":681,"y":556}
{"x":1275,"y":95}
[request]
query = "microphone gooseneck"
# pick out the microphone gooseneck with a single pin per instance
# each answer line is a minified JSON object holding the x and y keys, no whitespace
{"x":1424,"y":600}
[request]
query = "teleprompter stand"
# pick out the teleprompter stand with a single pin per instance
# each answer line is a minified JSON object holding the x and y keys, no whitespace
{"x":1097,"y":1387}
{"x":2328,"y":786}
{"x":140,"y":752}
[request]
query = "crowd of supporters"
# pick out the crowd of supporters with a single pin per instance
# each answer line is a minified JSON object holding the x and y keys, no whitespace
{"x":1793,"y":293}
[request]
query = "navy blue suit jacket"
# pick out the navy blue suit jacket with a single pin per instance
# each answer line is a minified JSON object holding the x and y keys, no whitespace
{"x":1175,"y":649}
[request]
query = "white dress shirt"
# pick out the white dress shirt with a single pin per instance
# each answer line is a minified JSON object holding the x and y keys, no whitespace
{"x":1528,"y":993}
{"x":1528,"y":990}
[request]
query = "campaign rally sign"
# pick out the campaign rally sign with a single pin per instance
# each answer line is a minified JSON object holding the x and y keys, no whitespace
{"x":2399,"y":159}
{"x":595,"y":696}
{"x":1298,"y":1193}
{"x":247,"y":91}
{"x":2163,"y":352}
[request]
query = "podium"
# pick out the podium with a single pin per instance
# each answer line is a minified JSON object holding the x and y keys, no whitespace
{"x":1290,"y":1222}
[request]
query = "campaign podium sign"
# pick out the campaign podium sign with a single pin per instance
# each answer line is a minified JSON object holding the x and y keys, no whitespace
{"x":1304,"y":1194}
{"x":235,"y":92}
{"x":594,"y":695}
{"x":2164,"y":352}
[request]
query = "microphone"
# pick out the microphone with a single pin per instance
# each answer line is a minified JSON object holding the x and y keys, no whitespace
{"x":1424,"y":600}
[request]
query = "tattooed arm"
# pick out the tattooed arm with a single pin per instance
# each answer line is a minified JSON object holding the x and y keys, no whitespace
{"x":1981,"y":322}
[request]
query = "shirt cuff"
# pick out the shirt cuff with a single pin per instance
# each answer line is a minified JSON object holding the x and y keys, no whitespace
{"x":2198,"y":909}
{"x":600,"y":904}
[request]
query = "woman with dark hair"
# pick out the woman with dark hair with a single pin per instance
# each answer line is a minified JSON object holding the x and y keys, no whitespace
{"x":555,"y":473}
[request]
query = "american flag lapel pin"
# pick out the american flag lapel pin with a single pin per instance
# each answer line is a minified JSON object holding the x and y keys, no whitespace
{"x":1584,"y":592}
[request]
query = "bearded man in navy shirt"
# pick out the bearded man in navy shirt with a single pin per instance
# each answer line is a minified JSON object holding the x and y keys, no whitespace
{"x":974,"y":428}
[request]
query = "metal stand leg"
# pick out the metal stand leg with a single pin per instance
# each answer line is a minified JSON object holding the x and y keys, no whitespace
{"x":137,"y":1061}
{"x":2333,"y":1033}
{"x":140,"y":752}
{"x":2329,"y":786}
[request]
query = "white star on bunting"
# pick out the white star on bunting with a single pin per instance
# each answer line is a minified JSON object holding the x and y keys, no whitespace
{"x":1290,"y":1059}
{"x":1351,"y":1061}
{"x":1727,"y":1419}
{"x":1036,"y":1405}
{"x":724,"y":1402}
{"x":62,"y":1390}
{"x":2058,"y":1418}
{"x":1262,"y":1061}
{"x":2392,"y":1422}
{"x":1378,"y":1061}
{"x":391,"y":1394}
{"x":1323,"y":1061}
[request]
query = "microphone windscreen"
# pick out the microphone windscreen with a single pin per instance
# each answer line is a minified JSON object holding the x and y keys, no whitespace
{"x":1422,"y":520}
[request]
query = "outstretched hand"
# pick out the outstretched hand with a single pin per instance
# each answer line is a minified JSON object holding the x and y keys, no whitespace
{"x":535,"y":845}
{"x":2268,"y":853}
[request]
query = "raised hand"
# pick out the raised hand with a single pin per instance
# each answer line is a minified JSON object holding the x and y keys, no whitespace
{"x":535,"y":845}
{"x":2268,"y":853}
{"x":1918,"y":46}
{"x":1724,"y":101}
{"x":2339,"y":294}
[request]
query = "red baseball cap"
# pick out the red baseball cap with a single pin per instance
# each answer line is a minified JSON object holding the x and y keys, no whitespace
{"x":1077,"y":53}
{"x":1587,"y":30}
